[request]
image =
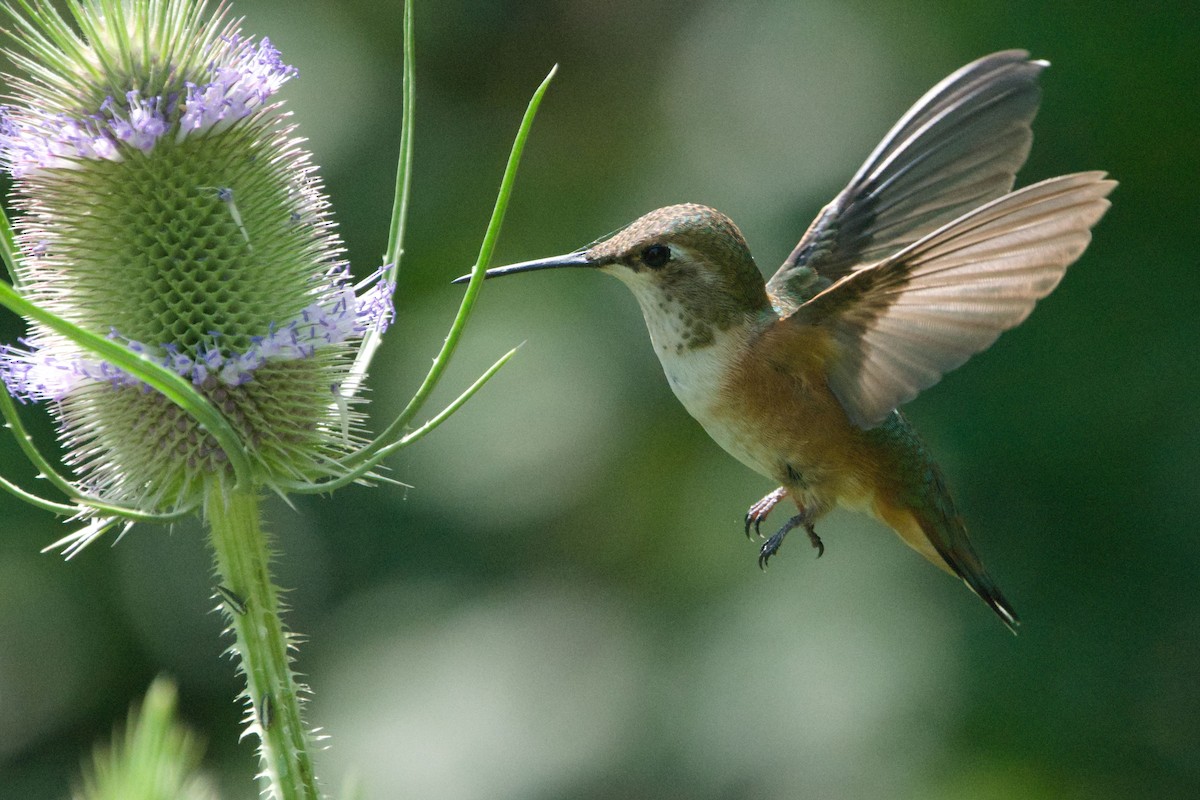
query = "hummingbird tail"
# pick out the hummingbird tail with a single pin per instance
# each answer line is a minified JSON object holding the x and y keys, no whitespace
{"x":912,"y":498}
{"x":938,"y":533}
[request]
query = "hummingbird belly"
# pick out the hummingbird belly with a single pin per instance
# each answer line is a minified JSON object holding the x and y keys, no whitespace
{"x":783,"y":422}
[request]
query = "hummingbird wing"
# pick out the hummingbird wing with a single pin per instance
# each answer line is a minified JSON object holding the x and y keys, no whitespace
{"x":899,"y":325}
{"x":958,"y":147}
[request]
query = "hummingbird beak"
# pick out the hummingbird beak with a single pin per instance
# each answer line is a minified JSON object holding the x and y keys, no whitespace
{"x":576,"y":259}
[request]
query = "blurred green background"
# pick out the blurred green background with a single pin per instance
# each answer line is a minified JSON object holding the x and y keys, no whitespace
{"x":563,"y":604}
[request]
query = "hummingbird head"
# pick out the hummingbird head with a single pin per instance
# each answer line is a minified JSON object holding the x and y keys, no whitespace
{"x":688,"y":265}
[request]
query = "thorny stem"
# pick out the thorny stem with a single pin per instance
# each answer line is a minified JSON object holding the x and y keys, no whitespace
{"x":252,"y":603}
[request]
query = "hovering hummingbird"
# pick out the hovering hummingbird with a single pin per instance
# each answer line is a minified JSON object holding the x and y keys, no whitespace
{"x":919,"y":263}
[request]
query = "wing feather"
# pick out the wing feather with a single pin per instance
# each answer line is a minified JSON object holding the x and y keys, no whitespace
{"x":959,"y":146}
{"x":903,"y":323}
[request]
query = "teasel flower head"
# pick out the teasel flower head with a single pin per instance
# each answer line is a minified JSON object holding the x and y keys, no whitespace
{"x":165,"y":202}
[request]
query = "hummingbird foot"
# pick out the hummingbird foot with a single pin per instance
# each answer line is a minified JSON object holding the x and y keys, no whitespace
{"x":772,"y":545}
{"x":760,"y":510}
{"x":817,"y":544}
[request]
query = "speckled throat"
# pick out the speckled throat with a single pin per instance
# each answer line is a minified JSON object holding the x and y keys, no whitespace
{"x":710,"y":283}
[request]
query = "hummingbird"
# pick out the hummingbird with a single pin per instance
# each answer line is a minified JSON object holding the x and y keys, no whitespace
{"x":924,"y":258}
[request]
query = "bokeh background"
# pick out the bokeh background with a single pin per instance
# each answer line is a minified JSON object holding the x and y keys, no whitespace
{"x":563,"y":605}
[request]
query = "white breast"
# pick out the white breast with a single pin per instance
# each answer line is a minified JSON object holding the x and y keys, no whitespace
{"x":694,"y":372}
{"x":697,"y":376}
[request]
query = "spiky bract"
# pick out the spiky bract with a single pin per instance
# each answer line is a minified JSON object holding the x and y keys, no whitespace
{"x":165,"y":202}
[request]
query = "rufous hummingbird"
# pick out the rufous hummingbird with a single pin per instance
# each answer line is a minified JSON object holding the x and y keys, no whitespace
{"x":920,"y":262}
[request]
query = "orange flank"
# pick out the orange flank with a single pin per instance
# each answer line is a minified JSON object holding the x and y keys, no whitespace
{"x":781,"y":420}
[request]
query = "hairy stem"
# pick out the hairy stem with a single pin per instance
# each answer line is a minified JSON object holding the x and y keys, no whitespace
{"x":251,"y":600}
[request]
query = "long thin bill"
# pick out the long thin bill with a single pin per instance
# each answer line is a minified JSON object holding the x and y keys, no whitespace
{"x":576,"y":259}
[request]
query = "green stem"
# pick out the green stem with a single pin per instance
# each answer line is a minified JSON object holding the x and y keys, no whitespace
{"x":393,"y":431}
{"x":400,"y":202}
{"x":251,"y":600}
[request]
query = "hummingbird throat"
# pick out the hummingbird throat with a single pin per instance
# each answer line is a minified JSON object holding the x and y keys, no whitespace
{"x":683,"y":314}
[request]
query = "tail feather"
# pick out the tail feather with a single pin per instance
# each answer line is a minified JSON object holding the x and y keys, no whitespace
{"x":950,"y":539}
{"x":942,"y":539}
{"x":911,"y":497}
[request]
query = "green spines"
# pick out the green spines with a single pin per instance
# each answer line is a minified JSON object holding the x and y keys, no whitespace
{"x":211,"y":234}
{"x":155,"y":757}
{"x":109,"y":47}
{"x":166,"y":204}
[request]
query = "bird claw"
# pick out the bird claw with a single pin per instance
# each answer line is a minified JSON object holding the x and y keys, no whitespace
{"x":772,"y":545}
{"x":760,"y":510}
{"x":815,"y":540}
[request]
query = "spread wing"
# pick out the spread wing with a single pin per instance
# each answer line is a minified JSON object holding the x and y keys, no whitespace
{"x":901,"y":324}
{"x":958,"y":147}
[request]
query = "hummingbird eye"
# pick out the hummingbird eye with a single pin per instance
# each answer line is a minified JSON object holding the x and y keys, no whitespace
{"x":656,"y":255}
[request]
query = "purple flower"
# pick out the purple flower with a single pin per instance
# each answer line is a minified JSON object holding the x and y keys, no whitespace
{"x":242,"y":78}
{"x":236,"y":89}
{"x":33,"y":373}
